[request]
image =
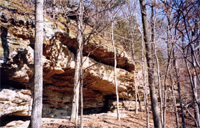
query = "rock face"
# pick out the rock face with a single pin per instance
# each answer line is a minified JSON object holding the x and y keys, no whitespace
{"x":59,"y":66}
{"x":15,"y":102}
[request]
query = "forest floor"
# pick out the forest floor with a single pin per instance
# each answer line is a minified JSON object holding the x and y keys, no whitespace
{"x":104,"y":120}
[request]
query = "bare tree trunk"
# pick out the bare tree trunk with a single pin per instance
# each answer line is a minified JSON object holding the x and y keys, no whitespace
{"x":136,"y":87}
{"x":81,"y":90}
{"x":115,"y":66}
{"x":165,"y":100}
{"x":195,"y":95}
{"x":174,"y":102}
{"x":115,"y":62}
{"x":136,"y":99}
{"x":145,"y":95}
{"x":193,"y":82}
{"x":78,"y":72}
{"x":53,"y":7}
{"x":195,"y":92}
{"x":150,"y":65}
{"x":144,"y":81}
{"x":179,"y":90}
{"x":153,"y":35}
{"x":159,"y":85}
{"x":80,"y":33}
{"x":75,"y":102}
{"x":133,"y":57}
{"x":36,"y":117}
{"x":169,"y":52}
{"x":165,"y":79}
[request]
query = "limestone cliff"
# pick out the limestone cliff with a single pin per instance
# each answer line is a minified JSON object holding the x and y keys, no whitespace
{"x":59,"y":64}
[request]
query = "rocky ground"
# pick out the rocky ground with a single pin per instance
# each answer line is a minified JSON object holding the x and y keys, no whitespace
{"x":104,"y":120}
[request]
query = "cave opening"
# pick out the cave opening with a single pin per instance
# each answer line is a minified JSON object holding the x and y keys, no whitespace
{"x":106,"y":106}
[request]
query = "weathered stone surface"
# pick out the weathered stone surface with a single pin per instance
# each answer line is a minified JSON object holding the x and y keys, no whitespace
{"x":59,"y":65}
{"x":20,"y":66}
{"x":100,"y":50}
{"x":15,"y":102}
{"x":58,"y":80}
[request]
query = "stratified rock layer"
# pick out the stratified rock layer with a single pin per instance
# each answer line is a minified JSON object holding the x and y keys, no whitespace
{"x":59,"y":66}
{"x":15,"y":102}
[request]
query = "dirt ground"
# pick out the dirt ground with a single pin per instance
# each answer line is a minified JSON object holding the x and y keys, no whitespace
{"x":104,"y":120}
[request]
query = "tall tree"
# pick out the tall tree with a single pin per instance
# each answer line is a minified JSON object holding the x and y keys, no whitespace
{"x":78,"y":69}
{"x":36,"y":117}
{"x":150,"y":65}
{"x":174,"y":102}
{"x":153,"y":40}
{"x":130,"y":17}
{"x":144,"y":83}
{"x":115,"y":63}
{"x":175,"y":66}
{"x":193,"y":83}
{"x":80,"y":41}
{"x":115,"y":74}
{"x":186,"y":17}
{"x":195,"y":91}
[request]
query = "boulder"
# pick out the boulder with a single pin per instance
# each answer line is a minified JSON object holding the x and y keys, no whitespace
{"x":15,"y":102}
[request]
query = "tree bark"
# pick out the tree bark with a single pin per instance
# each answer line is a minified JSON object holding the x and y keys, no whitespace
{"x":75,"y":101}
{"x":144,"y":81}
{"x":195,"y":92}
{"x":150,"y":66}
{"x":193,"y":83}
{"x":179,"y":90}
{"x":115,"y":66}
{"x":169,"y":51}
{"x":133,"y":56}
{"x":36,"y":117}
{"x":159,"y":85}
{"x":78,"y":72}
{"x":130,"y":20}
{"x":153,"y":35}
{"x":174,"y":102}
{"x":54,"y":6}
{"x":80,"y":24}
{"x":115,"y":61}
{"x":136,"y":99}
{"x":195,"y":95}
